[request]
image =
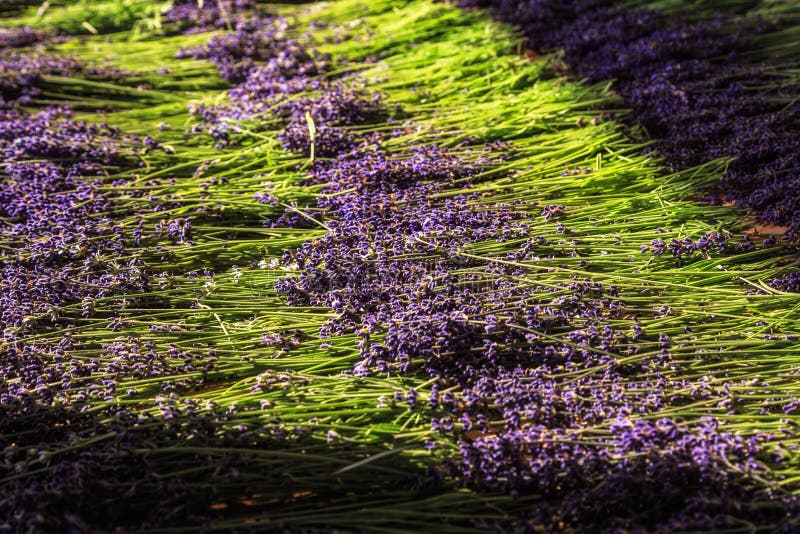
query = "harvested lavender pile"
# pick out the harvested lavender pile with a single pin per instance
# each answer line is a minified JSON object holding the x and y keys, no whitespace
{"x":707,"y":87}
{"x":197,"y":17}
{"x":344,"y":267}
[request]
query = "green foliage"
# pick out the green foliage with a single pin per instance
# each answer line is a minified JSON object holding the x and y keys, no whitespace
{"x":90,"y":17}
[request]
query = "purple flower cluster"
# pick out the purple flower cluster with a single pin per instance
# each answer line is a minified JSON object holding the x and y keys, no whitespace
{"x":52,"y":212}
{"x":692,"y":84}
{"x":328,"y":117}
{"x":194,"y":16}
{"x":374,"y":271}
{"x":236,"y":53}
{"x":687,"y":247}
{"x":22,"y":36}
{"x":269,"y":67}
{"x":20,"y":74}
{"x":789,"y":283}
